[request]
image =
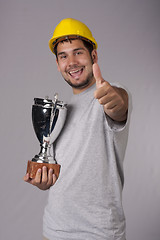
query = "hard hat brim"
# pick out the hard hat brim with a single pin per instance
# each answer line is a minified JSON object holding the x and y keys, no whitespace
{"x":54,"y":41}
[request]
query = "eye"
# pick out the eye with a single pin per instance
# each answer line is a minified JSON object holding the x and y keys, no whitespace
{"x":62,"y":56}
{"x":79,"y":53}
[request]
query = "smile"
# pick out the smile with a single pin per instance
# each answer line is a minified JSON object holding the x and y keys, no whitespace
{"x":76,"y":73}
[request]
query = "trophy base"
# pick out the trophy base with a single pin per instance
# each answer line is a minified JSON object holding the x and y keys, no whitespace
{"x":32,"y":168}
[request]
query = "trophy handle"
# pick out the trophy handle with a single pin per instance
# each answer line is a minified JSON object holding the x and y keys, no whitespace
{"x":59,"y":124}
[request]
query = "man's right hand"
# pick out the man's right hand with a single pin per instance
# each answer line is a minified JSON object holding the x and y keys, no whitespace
{"x":42,"y":180}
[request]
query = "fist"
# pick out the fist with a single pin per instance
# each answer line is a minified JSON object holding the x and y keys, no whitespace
{"x":113,"y":99}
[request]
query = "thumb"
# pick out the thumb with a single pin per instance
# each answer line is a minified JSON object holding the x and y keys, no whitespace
{"x":97,"y":75}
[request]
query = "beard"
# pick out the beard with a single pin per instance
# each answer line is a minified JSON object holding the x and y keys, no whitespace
{"x":81,"y":85}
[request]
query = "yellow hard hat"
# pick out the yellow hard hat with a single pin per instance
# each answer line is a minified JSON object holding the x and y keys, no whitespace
{"x":71,"y":28}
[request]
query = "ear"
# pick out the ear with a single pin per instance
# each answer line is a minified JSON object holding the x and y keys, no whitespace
{"x":94,"y":56}
{"x":57,"y":65}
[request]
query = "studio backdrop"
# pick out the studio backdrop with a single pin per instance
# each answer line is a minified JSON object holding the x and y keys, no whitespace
{"x":128,"y":36}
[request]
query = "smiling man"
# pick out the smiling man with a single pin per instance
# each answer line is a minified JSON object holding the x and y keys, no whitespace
{"x":75,"y":64}
{"x":85,"y":203}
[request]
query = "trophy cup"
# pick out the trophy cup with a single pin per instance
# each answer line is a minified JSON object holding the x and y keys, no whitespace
{"x":48,"y":118}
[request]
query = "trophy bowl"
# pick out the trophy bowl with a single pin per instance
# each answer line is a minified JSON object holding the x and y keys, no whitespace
{"x":48,"y":118}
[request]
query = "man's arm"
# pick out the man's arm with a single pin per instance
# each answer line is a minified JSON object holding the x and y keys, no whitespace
{"x":113,"y":99}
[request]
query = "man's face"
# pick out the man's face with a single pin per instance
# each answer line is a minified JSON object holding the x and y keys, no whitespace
{"x":75,"y":64}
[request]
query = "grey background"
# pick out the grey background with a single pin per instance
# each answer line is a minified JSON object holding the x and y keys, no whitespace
{"x":128,"y":35}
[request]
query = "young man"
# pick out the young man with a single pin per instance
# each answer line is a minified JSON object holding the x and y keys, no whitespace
{"x":85,"y":202}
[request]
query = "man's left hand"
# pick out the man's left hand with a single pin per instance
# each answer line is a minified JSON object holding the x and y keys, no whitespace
{"x":113,"y":99}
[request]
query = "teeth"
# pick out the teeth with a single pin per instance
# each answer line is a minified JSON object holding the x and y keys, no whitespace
{"x":75,"y":71}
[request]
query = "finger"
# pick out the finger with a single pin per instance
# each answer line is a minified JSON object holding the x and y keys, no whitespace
{"x":110,"y":105}
{"x":29,"y":180}
{"x":97,"y":75}
{"x":104,"y":99}
{"x":50,"y":176}
{"x":102,"y":91}
{"x":54,"y":179}
{"x":44,"y":174}
{"x":38,"y":176}
{"x":26,"y":177}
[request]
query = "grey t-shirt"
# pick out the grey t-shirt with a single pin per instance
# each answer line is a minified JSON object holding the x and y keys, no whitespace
{"x":86,"y":201}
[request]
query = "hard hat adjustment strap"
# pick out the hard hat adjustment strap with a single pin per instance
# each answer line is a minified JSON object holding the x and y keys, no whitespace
{"x":71,"y":37}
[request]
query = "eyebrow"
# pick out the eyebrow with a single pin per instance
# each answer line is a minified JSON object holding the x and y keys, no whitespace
{"x":74,"y":50}
{"x":77,"y":49}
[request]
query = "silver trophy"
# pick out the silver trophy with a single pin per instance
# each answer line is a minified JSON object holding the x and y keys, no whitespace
{"x":48,"y":118}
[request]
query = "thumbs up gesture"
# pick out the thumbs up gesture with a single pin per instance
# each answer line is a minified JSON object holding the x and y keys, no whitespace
{"x":113,"y":99}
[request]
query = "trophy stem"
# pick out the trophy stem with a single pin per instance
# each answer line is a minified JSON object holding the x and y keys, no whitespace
{"x":44,"y":156}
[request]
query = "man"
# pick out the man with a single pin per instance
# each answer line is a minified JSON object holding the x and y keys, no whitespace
{"x":85,"y":202}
